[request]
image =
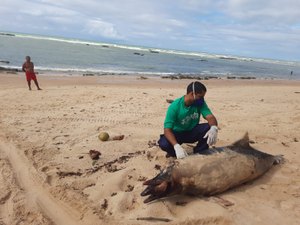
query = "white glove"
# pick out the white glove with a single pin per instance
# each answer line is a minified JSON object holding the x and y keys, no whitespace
{"x":211,"y":135}
{"x":180,"y":152}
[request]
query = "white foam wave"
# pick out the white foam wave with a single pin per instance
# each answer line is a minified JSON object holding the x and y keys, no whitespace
{"x":157,"y":50}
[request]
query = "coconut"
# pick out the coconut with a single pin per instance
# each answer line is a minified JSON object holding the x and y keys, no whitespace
{"x":103,"y":136}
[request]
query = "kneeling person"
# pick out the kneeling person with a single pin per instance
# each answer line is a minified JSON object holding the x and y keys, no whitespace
{"x":182,"y":123}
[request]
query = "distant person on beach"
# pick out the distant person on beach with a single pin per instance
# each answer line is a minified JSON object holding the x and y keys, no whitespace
{"x":181,"y":124}
{"x":292,"y":73}
{"x":28,"y":68}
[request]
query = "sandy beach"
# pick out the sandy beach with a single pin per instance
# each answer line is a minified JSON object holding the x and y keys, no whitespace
{"x":48,"y":177}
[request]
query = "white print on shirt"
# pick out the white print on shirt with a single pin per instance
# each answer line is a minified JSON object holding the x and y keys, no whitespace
{"x":187,"y":119}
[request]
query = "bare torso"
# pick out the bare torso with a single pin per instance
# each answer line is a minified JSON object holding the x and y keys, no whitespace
{"x":28,"y":67}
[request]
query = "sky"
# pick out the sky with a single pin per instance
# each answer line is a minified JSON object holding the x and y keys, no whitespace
{"x":249,"y":28}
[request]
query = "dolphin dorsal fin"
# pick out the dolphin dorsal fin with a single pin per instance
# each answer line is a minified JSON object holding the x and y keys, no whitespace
{"x":244,"y":142}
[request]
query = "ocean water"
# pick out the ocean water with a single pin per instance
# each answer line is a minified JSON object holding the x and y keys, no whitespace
{"x":77,"y":56}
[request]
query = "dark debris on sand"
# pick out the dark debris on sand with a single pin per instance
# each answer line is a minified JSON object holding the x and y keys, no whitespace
{"x":110,"y":165}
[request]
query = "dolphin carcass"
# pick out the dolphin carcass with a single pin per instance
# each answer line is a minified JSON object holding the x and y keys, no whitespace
{"x":220,"y":170}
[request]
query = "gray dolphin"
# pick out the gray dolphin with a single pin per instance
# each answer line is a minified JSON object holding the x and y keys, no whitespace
{"x":223,"y":168}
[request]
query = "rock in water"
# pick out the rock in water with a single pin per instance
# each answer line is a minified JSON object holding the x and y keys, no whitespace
{"x":103,"y":136}
{"x":224,"y":168}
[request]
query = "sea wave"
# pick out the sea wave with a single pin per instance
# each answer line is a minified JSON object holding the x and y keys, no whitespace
{"x":158,"y":50}
{"x":96,"y":72}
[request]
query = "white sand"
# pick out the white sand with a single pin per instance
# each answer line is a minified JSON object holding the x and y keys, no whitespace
{"x":47,"y":177}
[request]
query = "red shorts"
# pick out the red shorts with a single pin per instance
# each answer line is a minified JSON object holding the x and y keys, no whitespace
{"x":30,"y":76}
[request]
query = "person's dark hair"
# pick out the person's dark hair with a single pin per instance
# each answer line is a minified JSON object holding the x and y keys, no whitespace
{"x":199,"y":87}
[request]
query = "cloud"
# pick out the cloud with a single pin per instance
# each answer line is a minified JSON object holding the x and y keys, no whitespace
{"x":231,"y":26}
{"x":247,"y":11}
{"x":268,"y":11}
{"x":99,"y":27}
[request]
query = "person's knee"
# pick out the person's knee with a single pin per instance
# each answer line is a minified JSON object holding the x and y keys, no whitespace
{"x":202,"y":128}
{"x":166,"y":146}
{"x":206,"y":126}
{"x":163,"y":143}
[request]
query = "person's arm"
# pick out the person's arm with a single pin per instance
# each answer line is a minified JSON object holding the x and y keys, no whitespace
{"x":212,"y":133}
{"x":179,"y":151}
{"x":168,"y":131}
{"x":211,"y":119}
{"x":169,"y":123}
{"x":170,"y":136}
{"x":24,"y":67}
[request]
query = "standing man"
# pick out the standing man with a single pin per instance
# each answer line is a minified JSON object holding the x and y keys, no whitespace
{"x":28,"y":68}
{"x":182,"y":123}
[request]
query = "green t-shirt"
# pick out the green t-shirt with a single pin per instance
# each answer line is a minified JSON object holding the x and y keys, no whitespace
{"x":184,"y":118}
